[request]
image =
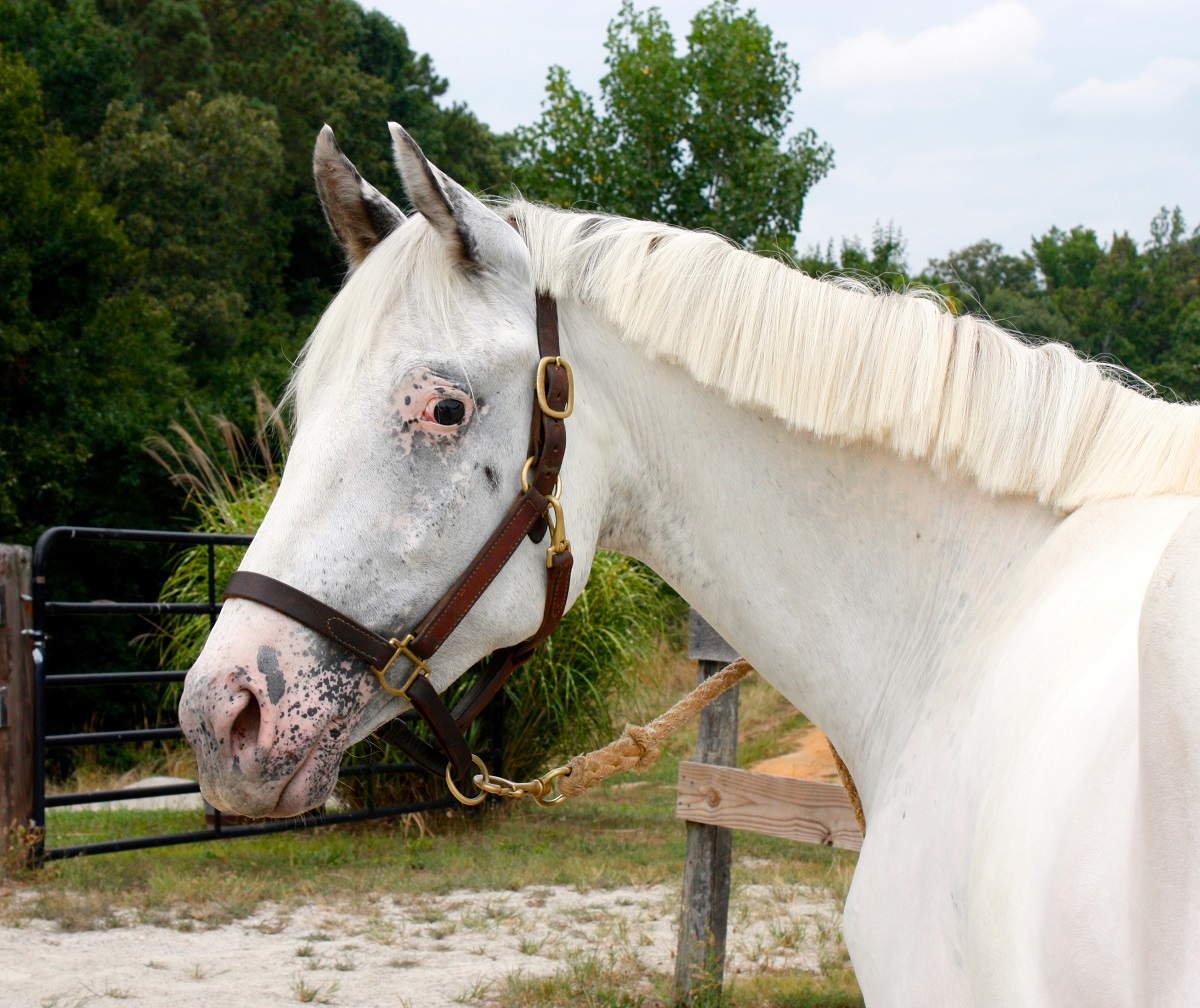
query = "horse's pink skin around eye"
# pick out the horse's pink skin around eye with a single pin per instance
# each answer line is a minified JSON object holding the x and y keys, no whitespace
{"x":414,"y":400}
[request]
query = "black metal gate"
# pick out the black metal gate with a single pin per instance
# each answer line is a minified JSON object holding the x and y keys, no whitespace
{"x":48,"y":612}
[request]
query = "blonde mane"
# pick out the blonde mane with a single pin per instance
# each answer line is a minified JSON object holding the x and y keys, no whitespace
{"x":851,"y":365}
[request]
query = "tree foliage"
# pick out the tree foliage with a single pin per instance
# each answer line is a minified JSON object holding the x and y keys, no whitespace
{"x":200,"y":188}
{"x":161,"y":242}
{"x":697,"y":139}
{"x":883,"y":260}
{"x":1137,"y":306}
{"x":86,"y":355}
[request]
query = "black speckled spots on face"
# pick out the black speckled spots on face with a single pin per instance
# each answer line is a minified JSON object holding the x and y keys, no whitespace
{"x":493,"y":480}
{"x":268,"y":665}
{"x":408,"y":400}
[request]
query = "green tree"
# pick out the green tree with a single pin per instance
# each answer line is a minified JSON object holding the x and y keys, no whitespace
{"x":87,"y":364}
{"x":1138,"y":306}
{"x":883,"y":259}
{"x":317,"y":61}
{"x":201,"y":189}
{"x":978,"y":271}
{"x":698,"y":139}
{"x":83,"y":61}
{"x":172,"y":49}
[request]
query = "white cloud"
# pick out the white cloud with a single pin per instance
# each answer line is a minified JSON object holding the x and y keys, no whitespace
{"x":1161,"y":85}
{"x":1001,"y":36}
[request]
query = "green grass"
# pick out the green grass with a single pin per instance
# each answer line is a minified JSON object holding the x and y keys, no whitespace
{"x":619,"y":980}
{"x":619,"y":834}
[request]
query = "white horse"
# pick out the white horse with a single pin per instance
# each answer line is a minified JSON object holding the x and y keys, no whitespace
{"x":975,"y":563}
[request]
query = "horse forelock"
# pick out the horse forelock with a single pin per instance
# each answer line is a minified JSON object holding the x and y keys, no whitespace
{"x":834,"y":358}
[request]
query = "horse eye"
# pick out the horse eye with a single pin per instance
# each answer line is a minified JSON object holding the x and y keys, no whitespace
{"x":449,"y":412}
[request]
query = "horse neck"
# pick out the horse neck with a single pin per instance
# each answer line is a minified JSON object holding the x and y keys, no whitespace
{"x":846,"y":575}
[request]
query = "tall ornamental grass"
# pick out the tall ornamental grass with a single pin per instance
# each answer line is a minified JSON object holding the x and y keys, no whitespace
{"x":558,"y":704}
{"x":228,"y":484}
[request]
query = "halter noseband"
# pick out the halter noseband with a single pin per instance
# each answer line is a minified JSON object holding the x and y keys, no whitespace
{"x":533,"y":513}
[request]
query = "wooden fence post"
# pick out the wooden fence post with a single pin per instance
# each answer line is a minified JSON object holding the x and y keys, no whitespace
{"x":16,"y":702}
{"x":700,"y":962}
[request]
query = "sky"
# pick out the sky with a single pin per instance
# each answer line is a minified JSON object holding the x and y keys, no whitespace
{"x":955,"y":121}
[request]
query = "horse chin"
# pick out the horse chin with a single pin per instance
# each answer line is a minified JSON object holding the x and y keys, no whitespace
{"x":308,"y":788}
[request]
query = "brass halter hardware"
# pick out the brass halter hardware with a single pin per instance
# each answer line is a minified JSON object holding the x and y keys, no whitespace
{"x":541,"y":790}
{"x":419,"y":667}
{"x":529,"y":464}
{"x":541,"y":388}
{"x":559,"y":542}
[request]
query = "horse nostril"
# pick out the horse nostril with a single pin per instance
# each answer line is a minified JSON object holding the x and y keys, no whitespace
{"x":243,"y":734}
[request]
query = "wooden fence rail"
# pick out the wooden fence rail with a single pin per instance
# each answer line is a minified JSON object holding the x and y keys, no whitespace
{"x":715,"y":798}
{"x":816,"y":812}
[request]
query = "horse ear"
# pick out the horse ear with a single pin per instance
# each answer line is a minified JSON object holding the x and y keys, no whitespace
{"x":440,"y":200}
{"x":359,"y":215}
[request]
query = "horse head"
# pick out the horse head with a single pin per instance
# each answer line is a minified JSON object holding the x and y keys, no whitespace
{"x":412,"y":416}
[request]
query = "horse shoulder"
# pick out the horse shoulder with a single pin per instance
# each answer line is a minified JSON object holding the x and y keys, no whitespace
{"x":1168,"y":914}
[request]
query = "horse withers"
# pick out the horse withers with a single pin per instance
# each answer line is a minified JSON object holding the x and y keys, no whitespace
{"x":972,"y":561}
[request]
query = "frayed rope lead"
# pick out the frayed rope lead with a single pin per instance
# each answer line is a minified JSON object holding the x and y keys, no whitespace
{"x":639,"y":746}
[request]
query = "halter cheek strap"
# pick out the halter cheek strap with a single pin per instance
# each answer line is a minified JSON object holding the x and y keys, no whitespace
{"x":534,"y":513}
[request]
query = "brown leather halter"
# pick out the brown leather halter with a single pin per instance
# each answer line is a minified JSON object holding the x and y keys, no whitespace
{"x":534,"y":513}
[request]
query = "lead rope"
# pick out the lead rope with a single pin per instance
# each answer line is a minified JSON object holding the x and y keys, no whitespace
{"x":851,"y":790}
{"x":637,"y":749}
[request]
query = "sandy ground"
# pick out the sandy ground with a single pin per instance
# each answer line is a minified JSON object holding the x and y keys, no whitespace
{"x":810,"y":759}
{"x":424,"y":952}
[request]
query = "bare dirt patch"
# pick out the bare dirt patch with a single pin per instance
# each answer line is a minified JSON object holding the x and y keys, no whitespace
{"x":809,"y":757}
{"x":428,"y":951}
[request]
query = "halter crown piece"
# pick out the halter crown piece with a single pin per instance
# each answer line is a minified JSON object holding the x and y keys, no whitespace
{"x":401,"y":663}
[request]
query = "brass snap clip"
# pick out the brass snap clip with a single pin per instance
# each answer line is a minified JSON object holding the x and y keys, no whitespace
{"x":559,"y":543}
{"x":541,"y":790}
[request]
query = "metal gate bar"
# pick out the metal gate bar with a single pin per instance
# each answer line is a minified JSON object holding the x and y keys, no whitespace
{"x":45,"y":608}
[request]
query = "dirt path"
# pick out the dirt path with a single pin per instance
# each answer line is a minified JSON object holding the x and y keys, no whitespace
{"x":425,"y":952}
{"x":810,"y":757}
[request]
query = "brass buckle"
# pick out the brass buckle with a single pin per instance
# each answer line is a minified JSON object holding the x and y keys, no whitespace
{"x":559,"y":543}
{"x":541,"y":388}
{"x":419,"y":667}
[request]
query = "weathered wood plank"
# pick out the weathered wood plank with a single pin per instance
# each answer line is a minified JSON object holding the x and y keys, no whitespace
{"x":705,"y":644}
{"x":16,"y":698}
{"x":809,"y":811}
